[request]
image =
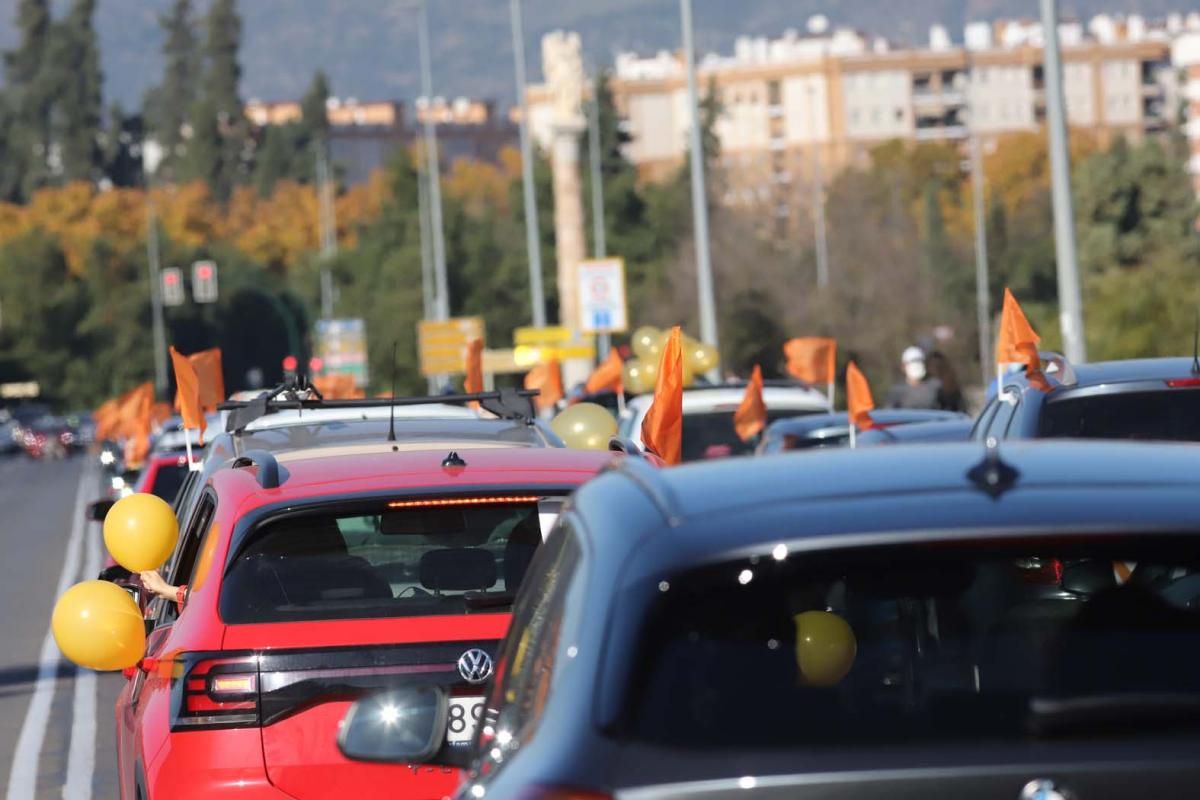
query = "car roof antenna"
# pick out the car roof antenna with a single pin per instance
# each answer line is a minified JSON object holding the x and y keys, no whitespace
{"x":391,"y":437}
{"x":1196,"y":347}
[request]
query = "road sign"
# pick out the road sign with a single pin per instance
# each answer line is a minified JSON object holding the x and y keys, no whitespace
{"x":602,"y":306}
{"x":442,"y":344}
{"x":204,"y":281}
{"x":172,"y":286}
{"x":538,"y":337}
{"x":342,"y":348}
{"x":20,"y":390}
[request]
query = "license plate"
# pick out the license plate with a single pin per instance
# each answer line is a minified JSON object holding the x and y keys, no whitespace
{"x":463,"y":718}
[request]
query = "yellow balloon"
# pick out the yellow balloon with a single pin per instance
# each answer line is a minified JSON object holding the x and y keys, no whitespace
{"x":140,"y":532}
{"x":647,"y":342}
{"x":825,"y":648}
{"x":585,"y":426}
{"x":702,"y":357}
{"x":689,"y":374}
{"x":638,"y":376}
{"x":98,"y":625}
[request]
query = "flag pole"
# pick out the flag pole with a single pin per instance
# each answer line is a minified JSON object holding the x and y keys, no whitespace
{"x":830,"y":392}
{"x":187,"y":443}
{"x":853,"y":434}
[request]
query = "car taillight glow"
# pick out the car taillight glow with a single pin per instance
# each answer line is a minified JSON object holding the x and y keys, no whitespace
{"x":465,"y":501}
{"x":216,"y":693}
{"x":1047,"y":571}
{"x":1183,"y":383}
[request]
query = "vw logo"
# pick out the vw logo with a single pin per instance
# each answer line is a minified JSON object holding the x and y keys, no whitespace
{"x":475,"y":666}
{"x":1045,"y":790}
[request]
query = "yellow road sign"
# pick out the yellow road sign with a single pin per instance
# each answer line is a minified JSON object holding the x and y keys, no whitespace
{"x":527,"y":357}
{"x":442,"y":344}
{"x":538,"y":337}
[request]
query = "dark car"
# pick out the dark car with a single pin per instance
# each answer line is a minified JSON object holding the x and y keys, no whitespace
{"x":908,"y":622}
{"x":833,"y":430}
{"x":1154,"y":399}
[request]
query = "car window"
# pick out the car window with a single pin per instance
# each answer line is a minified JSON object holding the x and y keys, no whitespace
{"x":531,"y":649}
{"x":408,"y":558}
{"x":179,"y":571}
{"x":1167,"y":415}
{"x":883,"y":646}
{"x":168,"y":480}
{"x":711,"y":434}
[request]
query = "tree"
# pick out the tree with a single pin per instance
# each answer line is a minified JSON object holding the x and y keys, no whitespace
{"x":312,"y":134}
{"x":218,"y":117}
{"x":123,"y":142}
{"x":31,"y":101}
{"x":168,"y":105}
{"x":79,"y":109}
{"x":274,"y":160}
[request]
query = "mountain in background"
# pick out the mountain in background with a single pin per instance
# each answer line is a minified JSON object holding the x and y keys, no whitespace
{"x":368,"y":47}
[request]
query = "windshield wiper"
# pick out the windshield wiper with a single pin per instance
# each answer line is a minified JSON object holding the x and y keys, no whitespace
{"x":479,"y":601}
{"x":1128,"y":711}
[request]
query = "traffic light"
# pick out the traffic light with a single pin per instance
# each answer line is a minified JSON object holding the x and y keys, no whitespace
{"x":172,"y":286}
{"x":204,"y":282}
{"x":290,"y":363}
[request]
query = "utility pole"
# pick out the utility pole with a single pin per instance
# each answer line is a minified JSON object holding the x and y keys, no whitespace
{"x":442,"y":306}
{"x":818,"y":198}
{"x":533,"y":244}
{"x":1070,"y":299}
{"x":156,"y":306}
{"x":704,"y":279}
{"x":599,"y":243}
{"x":983,"y":302}
{"x":428,"y":301}
{"x":328,"y":227}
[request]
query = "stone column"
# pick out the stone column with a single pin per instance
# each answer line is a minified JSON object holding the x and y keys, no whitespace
{"x":563,"y":69}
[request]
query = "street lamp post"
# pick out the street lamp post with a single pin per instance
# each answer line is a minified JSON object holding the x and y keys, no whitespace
{"x":1070,"y":299}
{"x":433,"y":167}
{"x":532,"y":237}
{"x":704,"y":278}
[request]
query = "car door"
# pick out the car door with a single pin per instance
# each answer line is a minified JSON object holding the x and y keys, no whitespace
{"x":131,"y":702}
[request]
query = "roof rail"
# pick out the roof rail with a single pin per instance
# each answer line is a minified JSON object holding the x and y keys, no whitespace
{"x":268,"y":467}
{"x":507,"y":403}
{"x":1059,"y":367}
{"x":649,"y":479}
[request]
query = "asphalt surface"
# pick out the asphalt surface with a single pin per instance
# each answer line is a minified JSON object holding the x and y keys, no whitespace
{"x":56,"y":724}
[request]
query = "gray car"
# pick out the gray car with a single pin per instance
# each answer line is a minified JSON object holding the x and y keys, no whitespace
{"x":906,"y":622}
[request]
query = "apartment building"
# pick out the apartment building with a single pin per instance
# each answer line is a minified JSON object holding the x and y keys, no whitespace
{"x":825,"y":98}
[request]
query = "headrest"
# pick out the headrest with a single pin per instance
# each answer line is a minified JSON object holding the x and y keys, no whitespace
{"x":457,"y":569}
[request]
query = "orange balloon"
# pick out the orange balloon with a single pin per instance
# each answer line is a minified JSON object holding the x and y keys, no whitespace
{"x":140,"y":532}
{"x":97,"y":625}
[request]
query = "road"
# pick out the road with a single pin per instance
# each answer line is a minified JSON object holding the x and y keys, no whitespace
{"x":56,"y":730}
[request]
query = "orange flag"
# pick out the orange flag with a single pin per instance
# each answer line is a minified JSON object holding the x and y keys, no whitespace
{"x":547,"y":379}
{"x":188,"y":393}
{"x":751,"y":415}
{"x":473,"y":382}
{"x":134,"y":422}
{"x":662,"y":429}
{"x":812,"y":359}
{"x":858,"y":398}
{"x":608,"y":376}
{"x":207,"y":364}
{"x":1018,"y":343}
{"x":106,"y":417}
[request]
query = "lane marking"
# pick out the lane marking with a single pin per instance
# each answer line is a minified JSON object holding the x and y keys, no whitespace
{"x":22,"y":779}
{"x":81,"y":758}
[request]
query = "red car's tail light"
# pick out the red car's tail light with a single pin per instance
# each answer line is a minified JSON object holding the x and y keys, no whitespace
{"x":1048,"y":571}
{"x":215,"y":692}
{"x":465,"y":501}
{"x":1183,"y":383}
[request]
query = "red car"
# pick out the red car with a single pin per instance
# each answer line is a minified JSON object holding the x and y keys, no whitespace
{"x":163,"y":475}
{"x":315,"y":577}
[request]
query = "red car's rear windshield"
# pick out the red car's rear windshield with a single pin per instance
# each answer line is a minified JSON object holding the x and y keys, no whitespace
{"x":395,"y":561}
{"x":1165,"y":415}
{"x":953,"y":643}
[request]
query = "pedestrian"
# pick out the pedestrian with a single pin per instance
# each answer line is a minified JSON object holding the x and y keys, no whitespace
{"x":918,"y":389}
{"x":950,"y":396}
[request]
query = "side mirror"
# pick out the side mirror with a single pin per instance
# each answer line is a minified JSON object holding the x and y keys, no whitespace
{"x":399,"y":726}
{"x":97,"y":511}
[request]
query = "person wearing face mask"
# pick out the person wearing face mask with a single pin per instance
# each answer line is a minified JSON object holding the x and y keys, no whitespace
{"x":917,"y":390}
